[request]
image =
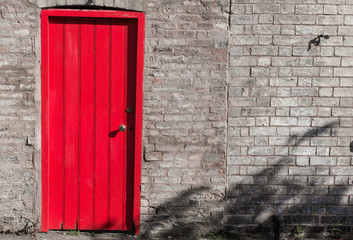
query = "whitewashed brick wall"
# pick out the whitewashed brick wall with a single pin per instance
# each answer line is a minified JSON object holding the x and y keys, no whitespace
{"x":289,"y":118}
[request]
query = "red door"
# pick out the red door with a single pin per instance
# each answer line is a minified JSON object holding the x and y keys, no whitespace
{"x":90,"y":122}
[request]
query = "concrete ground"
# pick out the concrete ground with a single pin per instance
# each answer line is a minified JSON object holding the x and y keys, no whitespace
{"x":53,"y":235}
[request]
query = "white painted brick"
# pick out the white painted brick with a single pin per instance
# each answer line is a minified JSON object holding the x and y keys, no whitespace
{"x":331,"y":1}
{"x":262,"y":131}
{"x":348,"y":20}
{"x":343,"y":72}
{"x":281,"y":82}
{"x":341,"y":171}
{"x":345,"y":9}
{"x":324,"y":82}
{"x":322,"y":161}
{"x":302,"y":151}
{"x":304,"y":92}
{"x":347,"y":62}
{"x":305,"y":71}
{"x":244,"y":160}
{"x":287,"y":40}
{"x":266,"y":29}
{"x":321,"y":61}
{"x":281,"y":141}
{"x":330,"y":9}
{"x":287,"y":30}
{"x":330,"y":20}
{"x":264,"y":51}
{"x":308,"y":30}
{"x":343,"y":92}
{"x":283,"y":121}
{"x":320,"y":180}
{"x":345,"y":31}
{"x":308,"y":111}
{"x":309,"y":9}
{"x":243,"y":61}
{"x":277,"y":102}
{"x":266,"y":8}
{"x":301,"y":171}
{"x":266,"y":18}
{"x":287,"y":19}
{"x":241,"y":180}
{"x":287,"y":8}
{"x":260,"y":151}
{"x":263,"y":71}
{"x":244,"y":40}
{"x":325,"y":102}
{"x":285,"y":61}
{"x":244,"y":19}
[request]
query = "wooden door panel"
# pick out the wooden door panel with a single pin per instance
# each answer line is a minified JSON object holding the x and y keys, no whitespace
{"x":86,"y":206}
{"x":71,"y":94}
{"x":56,"y":134}
{"x":118,"y":117}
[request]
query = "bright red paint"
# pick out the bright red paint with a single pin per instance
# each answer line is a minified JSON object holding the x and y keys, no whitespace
{"x":92,"y":70}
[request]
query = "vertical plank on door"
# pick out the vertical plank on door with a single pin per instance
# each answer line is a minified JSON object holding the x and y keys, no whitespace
{"x":118,"y":116}
{"x":102,"y":124}
{"x":87,"y":125}
{"x":71,"y":110}
{"x":131,"y":101}
{"x":55,"y":122}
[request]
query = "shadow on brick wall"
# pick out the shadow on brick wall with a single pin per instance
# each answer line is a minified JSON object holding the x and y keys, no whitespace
{"x":275,"y":205}
{"x":184,"y":216}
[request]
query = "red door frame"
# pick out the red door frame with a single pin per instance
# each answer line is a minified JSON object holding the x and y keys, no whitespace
{"x":140,"y":17}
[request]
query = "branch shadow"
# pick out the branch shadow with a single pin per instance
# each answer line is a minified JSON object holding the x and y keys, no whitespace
{"x":178,"y":217}
{"x":287,"y":201}
{"x":271,"y":207}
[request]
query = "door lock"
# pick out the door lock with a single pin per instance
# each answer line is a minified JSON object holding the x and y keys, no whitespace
{"x":122,"y":128}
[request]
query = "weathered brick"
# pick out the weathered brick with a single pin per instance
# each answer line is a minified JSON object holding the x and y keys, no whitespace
{"x":285,"y":61}
{"x":259,"y":151}
{"x":325,"y":102}
{"x":283,"y":121}
{"x":340,"y":171}
{"x":309,"y":111}
{"x":304,"y":92}
{"x":244,"y":19}
{"x":323,"y":141}
{"x":332,"y":62}
{"x":244,"y":160}
{"x":345,"y":9}
{"x":330,"y":20}
{"x":343,"y":92}
{"x":320,"y":180}
{"x":330,"y":9}
{"x":266,"y":29}
{"x":309,"y":9}
{"x":302,"y":151}
{"x":266,"y":8}
{"x":287,"y":40}
{"x":287,"y":19}
{"x":277,"y":102}
{"x":264,"y":51}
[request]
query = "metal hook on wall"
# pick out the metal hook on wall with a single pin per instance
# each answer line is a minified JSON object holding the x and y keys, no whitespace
{"x":316,"y":41}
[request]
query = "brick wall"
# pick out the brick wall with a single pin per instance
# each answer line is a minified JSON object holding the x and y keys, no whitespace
{"x":290,"y":114}
{"x":18,"y":21}
{"x":185,"y":90}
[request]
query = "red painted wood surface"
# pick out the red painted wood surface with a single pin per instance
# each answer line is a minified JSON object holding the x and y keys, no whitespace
{"x":92,"y":65}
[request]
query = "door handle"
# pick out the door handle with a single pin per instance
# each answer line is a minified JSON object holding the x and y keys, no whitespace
{"x":122,"y":128}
